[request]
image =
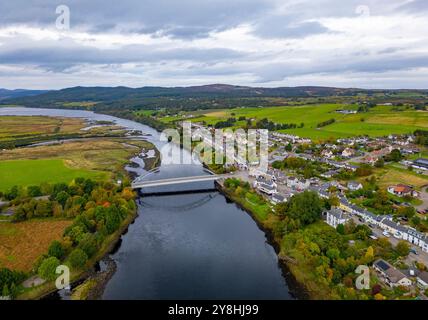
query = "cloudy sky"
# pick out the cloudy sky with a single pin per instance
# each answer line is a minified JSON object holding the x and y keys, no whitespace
{"x":344,"y":43}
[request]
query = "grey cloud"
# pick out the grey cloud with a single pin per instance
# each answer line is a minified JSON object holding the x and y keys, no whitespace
{"x":59,"y":58}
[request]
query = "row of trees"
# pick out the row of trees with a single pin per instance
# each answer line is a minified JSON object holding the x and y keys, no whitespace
{"x":326,"y":123}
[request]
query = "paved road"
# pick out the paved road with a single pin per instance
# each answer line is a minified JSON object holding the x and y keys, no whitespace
{"x":421,"y":256}
{"x":424,"y":198}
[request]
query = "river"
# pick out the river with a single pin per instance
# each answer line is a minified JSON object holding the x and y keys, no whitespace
{"x":187,"y":246}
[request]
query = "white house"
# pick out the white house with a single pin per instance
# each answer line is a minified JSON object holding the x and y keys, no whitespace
{"x":354,"y":185}
{"x":402,"y":190}
{"x":266,"y":188}
{"x":348,"y":152}
{"x":335,"y":216}
{"x":277,"y":198}
{"x":422,"y":280}
{"x":326,"y":153}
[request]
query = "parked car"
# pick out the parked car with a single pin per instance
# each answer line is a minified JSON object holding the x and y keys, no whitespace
{"x":397,"y":235}
{"x":386,"y":234}
{"x":413,"y":250}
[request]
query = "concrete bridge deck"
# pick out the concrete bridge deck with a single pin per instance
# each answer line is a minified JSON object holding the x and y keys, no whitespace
{"x":175,"y":181}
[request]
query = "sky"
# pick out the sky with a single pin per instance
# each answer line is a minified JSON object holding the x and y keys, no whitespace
{"x":267,"y":43}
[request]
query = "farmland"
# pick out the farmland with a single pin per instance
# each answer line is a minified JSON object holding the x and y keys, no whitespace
{"x":22,"y":243}
{"x":379,"y":121}
{"x":94,"y":158}
{"x":35,"y":172}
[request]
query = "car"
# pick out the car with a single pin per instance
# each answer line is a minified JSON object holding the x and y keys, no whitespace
{"x":386,"y":234}
{"x":413,"y":250}
{"x":397,"y":235}
{"x":373,"y":237}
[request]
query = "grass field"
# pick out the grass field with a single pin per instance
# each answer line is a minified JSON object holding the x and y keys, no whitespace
{"x":22,"y":243}
{"x":17,"y":126}
{"x":95,"y":158}
{"x":380,"y":121}
{"x":35,"y":172}
{"x":394,"y":174}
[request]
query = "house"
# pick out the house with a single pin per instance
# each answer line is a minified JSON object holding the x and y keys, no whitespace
{"x":329,"y":174}
{"x":348,"y":152}
{"x":277,"y":198}
{"x":291,"y":182}
{"x":422,"y":280}
{"x":403,"y":190}
{"x":302,"y":184}
{"x":266,"y":188}
{"x":263,"y":180}
{"x":392,"y":276}
{"x":421,"y":163}
{"x":335,"y":216}
{"x":354,"y":185}
{"x":370,"y":160}
{"x":326,"y":153}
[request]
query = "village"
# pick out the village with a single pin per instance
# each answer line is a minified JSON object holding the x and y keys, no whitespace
{"x":335,"y":171}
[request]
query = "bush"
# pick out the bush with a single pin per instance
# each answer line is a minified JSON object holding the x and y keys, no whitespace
{"x":89,"y":244}
{"x":78,"y":258}
{"x":47,"y":269}
{"x":56,"y":250}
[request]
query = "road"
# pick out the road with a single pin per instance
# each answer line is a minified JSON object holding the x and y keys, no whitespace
{"x":420,"y":257}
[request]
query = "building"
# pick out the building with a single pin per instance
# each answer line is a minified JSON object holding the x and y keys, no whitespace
{"x":392,"y":276}
{"x":348,"y":152}
{"x":402,"y":190}
{"x":277,"y":198}
{"x":422,"y":280}
{"x":291,"y":182}
{"x":326,"y":153}
{"x":329,"y":174}
{"x":266,"y":188}
{"x":335,"y":216}
{"x":354,"y":185}
{"x":420,"y":163}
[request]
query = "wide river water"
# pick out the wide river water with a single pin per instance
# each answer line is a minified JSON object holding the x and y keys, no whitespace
{"x":187,"y":246}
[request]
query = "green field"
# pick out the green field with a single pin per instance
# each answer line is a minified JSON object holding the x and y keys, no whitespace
{"x":379,"y":121}
{"x":35,"y":172}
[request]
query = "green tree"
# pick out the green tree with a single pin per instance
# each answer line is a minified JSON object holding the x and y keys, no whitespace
{"x":305,"y":206}
{"x":78,"y":258}
{"x":56,"y":250}
{"x":341,"y":229}
{"x":34,"y":191}
{"x":5,"y":292}
{"x":89,"y":244}
{"x":47,"y":269}
{"x":402,"y":248}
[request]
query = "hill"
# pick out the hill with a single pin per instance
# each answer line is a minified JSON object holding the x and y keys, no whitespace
{"x":203,"y":97}
{"x":17,"y":93}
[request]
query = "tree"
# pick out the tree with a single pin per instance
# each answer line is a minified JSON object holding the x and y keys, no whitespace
{"x":78,"y":258}
{"x":56,"y":250}
{"x":394,"y":156}
{"x":88,"y":244}
{"x":47,"y":269}
{"x":402,"y":248}
{"x":380,"y":163}
{"x":341,"y":229}
{"x":369,"y":256}
{"x":34,"y":191}
{"x":305,"y":207}
{"x":62,"y":198}
{"x":5,"y":292}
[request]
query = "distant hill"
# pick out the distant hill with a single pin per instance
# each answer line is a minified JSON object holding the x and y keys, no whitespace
{"x":17,"y":93}
{"x":207,"y":96}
